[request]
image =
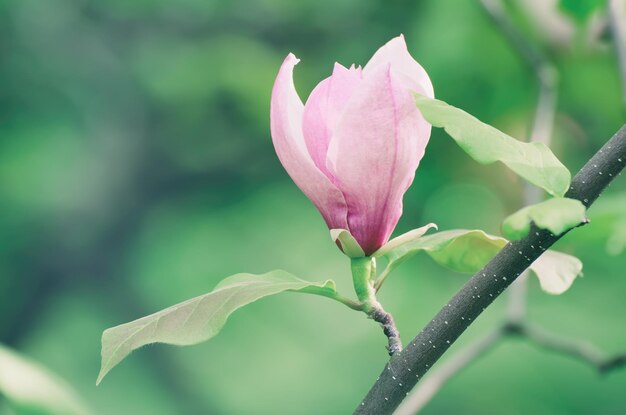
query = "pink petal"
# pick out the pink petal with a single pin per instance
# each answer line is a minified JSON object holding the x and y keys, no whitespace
{"x":323,"y":108}
{"x":404,"y":66}
{"x":286,"y":127}
{"x":374,"y":152}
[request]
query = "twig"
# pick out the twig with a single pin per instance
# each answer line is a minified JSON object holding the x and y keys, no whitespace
{"x":405,"y":368}
{"x":385,"y":319}
{"x":529,"y":53}
{"x":429,"y":387}
{"x":617,"y":15}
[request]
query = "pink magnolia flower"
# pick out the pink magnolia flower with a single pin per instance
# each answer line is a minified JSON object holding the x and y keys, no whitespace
{"x":353,"y":148}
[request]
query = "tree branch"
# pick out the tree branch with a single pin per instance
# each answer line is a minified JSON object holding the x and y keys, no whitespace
{"x":406,"y":368}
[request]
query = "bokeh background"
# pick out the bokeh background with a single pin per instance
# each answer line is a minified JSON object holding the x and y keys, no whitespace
{"x":137,"y":170}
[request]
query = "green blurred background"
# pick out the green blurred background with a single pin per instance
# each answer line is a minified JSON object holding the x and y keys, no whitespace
{"x":137,"y":170}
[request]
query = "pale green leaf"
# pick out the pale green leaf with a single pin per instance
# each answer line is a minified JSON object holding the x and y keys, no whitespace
{"x":198,"y":319}
{"x":349,"y":245}
{"x":556,"y":271}
{"x":460,"y":250}
{"x":31,"y":389}
{"x":405,"y":238}
{"x":556,"y":215}
{"x":486,"y":144}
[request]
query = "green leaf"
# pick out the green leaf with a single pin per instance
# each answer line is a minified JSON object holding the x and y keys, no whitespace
{"x":580,"y":10}
{"x":31,"y":389}
{"x":349,"y":245}
{"x":556,"y":215}
{"x":460,"y":250}
{"x":556,"y":271}
{"x":198,"y":319}
{"x":486,"y":144}
{"x":405,"y":238}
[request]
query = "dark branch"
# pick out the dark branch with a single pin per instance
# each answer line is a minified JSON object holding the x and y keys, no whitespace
{"x":406,"y":368}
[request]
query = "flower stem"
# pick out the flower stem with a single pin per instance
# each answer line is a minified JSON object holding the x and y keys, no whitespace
{"x":362,"y":272}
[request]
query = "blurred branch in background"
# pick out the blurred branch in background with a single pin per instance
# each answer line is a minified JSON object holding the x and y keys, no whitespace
{"x":617,"y":19}
{"x":576,"y":348}
{"x":541,"y":131}
{"x":583,"y":351}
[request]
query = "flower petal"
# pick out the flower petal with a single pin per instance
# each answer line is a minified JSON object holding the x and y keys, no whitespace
{"x":374,"y":152}
{"x":404,"y":66}
{"x":323,"y":108}
{"x":286,"y":127}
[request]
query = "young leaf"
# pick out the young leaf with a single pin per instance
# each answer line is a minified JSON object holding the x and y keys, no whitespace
{"x":556,"y":215}
{"x":32,"y":389}
{"x":486,"y":144}
{"x":198,"y":319}
{"x":349,"y":245}
{"x":460,"y":250}
{"x":403,"y":239}
{"x":556,"y":271}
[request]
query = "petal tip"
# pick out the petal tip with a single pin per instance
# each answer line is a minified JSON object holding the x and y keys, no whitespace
{"x":399,"y":41}
{"x":291,"y":58}
{"x":339,"y":68}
